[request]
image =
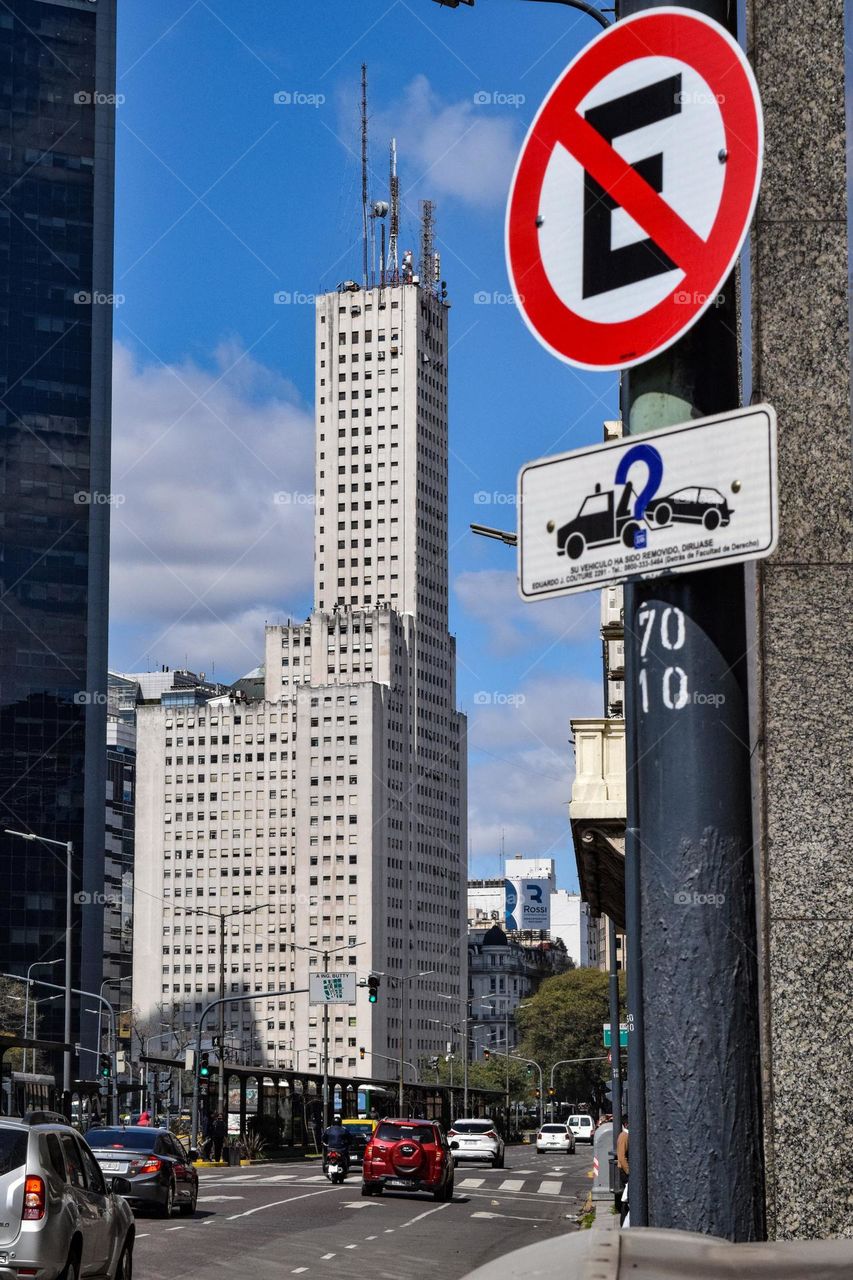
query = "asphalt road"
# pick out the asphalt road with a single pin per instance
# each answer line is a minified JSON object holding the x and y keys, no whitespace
{"x":287,"y":1219}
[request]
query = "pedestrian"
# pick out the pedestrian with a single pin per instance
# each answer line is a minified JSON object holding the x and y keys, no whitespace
{"x":218,"y":1130}
{"x":145,"y":1118}
{"x":622,"y":1164}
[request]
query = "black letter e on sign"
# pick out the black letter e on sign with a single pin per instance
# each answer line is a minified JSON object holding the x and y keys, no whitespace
{"x":605,"y":268}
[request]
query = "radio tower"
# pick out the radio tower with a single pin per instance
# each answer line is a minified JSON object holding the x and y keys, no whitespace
{"x":394,"y":227}
{"x":365,"y":280}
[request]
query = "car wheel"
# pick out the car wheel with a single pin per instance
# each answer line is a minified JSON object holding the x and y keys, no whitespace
{"x":498,"y":1162}
{"x":165,"y":1209}
{"x":124,"y":1270}
{"x":448,"y":1191}
{"x":366,"y":1190}
{"x":662,"y":515}
{"x":187,"y":1210}
{"x":575,"y":546}
{"x":628,"y":535}
{"x":711,"y":520}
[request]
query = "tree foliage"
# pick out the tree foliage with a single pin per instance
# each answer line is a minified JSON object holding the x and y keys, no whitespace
{"x":487,"y":1075}
{"x":12,"y":1017}
{"x":564,"y":1020}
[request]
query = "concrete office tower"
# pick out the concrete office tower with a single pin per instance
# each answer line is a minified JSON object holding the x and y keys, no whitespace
{"x":56,"y":232}
{"x":337,"y":804}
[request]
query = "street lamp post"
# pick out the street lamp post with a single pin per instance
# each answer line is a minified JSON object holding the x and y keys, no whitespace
{"x":410,"y":977}
{"x":35,"y":964}
{"x":222,"y":916}
{"x":68,"y":846}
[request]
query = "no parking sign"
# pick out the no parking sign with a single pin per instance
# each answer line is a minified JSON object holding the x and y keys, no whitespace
{"x":634,"y":189}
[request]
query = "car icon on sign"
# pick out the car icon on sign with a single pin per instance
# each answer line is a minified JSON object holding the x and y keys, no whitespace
{"x":691,"y":505}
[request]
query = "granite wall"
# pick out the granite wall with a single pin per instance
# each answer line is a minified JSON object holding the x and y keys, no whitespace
{"x":804,"y":640}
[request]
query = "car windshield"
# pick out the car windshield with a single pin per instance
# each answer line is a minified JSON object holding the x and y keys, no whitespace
{"x":553,"y":1128}
{"x":472,"y":1126}
{"x":13,"y":1150}
{"x":397,"y":1132}
{"x":122,"y":1139}
{"x":358,"y":1126}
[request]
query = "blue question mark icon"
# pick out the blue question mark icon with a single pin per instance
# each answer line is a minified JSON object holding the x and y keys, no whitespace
{"x":654,"y":463}
{"x":648,"y":455}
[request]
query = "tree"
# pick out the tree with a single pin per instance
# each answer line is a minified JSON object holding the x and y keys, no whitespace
{"x":564,"y":1020}
{"x":486,"y":1075}
{"x":12,"y":1018}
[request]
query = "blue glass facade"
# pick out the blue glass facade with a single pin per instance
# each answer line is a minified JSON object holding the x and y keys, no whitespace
{"x":56,"y":192}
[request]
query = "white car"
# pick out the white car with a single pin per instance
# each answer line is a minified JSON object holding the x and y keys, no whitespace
{"x":583,"y":1127}
{"x":555,"y":1137}
{"x":476,"y":1140}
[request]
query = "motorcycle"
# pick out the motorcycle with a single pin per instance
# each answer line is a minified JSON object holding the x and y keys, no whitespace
{"x":336,"y":1167}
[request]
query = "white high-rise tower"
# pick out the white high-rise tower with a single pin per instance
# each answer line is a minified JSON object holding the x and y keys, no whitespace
{"x":339,"y":800}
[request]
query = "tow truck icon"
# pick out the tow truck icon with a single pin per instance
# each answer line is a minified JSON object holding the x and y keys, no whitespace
{"x":602,"y":520}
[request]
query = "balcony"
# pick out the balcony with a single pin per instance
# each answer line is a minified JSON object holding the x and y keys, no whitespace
{"x":598,"y":815}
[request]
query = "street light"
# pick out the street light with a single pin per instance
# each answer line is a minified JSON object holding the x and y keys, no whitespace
{"x":68,"y":846}
{"x":222,"y":916}
{"x":571,"y":4}
{"x":35,"y":964}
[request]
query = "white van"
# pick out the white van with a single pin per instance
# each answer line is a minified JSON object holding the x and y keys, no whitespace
{"x":583,"y":1127}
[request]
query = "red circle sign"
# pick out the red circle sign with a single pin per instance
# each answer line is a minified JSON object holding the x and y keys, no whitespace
{"x":634,"y":189}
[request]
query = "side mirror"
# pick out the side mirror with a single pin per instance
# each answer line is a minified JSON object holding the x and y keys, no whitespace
{"x":193,"y":1154}
{"x":121,"y":1187}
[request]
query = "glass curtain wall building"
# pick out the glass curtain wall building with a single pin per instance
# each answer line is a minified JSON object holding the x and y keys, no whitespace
{"x":57,"y":105}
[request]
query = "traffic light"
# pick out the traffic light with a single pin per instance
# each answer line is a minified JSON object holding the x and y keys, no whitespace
{"x":536,"y":1093}
{"x":362,"y":1052}
{"x":373,"y":988}
{"x":105,"y":1066}
{"x":204,"y":1067}
{"x":552,"y":1093}
{"x":487,"y":1053}
{"x":530,"y":1071}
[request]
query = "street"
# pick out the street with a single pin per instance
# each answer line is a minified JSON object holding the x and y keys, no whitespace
{"x":286,"y":1219}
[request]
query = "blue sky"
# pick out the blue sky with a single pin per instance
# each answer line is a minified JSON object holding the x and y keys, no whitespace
{"x":226,"y":198}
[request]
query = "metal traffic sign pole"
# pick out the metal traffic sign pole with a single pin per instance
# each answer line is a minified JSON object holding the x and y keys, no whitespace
{"x":630,"y":203}
{"x":696,"y":1163}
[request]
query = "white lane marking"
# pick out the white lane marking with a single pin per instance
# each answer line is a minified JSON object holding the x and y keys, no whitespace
{"x":355,"y":1204}
{"x":389,"y":1231}
{"x":174,"y":1228}
{"x":142,"y":1234}
{"x":297,"y":1270}
{"x":516,"y":1217}
{"x":280,"y":1177}
{"x":438,"y":1208}
{"x":247,"y":1213}
{"x":472,"y":1182}
{"x":511,"y":1184}
{"x":350,"y":1246}
{"x":326,"y":1256}
{"x":371,"y":1237}
{"x":550,"y":1188}
{"x":210,"y":1199}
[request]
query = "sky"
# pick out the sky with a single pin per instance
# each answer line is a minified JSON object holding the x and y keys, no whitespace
{"x":238,"y":199}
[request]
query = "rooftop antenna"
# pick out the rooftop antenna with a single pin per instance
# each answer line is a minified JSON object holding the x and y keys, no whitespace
{"x":502,"y":856}
{"x":364,"y":170}
{"x":427,"y":252}
{"x":394,"y":227}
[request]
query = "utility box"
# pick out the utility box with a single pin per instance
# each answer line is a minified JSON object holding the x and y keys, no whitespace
{"x":602,"y":1146}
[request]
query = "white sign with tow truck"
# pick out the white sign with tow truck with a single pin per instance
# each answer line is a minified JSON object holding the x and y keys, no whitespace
{"x":690,"y":496}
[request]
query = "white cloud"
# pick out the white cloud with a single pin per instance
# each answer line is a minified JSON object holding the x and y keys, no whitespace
{"x":490,"y":597}
{"x":520,"y":771}
{"x":204,"y":545}
{"x":463,"y":149}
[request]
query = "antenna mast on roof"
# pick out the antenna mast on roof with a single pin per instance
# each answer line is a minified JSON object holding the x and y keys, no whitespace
{"x":427,"y":228}
{"x":394,"y":227}
{"x":364,"y":171}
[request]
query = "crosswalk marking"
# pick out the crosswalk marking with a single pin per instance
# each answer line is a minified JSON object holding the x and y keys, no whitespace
{"x":545,"y":1187}
{"x":472,"y":1182}
{"x":550,"y":1188}
{"x":280,"y":1177}
{"x":511,"y":1184}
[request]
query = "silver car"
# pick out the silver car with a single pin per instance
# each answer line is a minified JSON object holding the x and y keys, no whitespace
{"x":59,"y":1218}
